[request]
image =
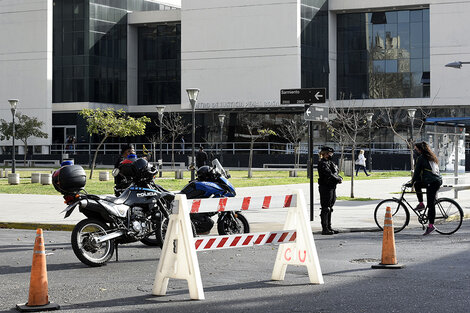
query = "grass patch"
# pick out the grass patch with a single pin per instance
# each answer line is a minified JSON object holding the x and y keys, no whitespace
{"x":168,"y":181}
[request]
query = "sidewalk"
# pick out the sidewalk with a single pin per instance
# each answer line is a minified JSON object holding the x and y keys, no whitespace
{"x":347,"y":215}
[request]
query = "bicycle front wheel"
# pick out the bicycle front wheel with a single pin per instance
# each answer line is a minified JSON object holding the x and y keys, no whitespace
{"x":400,"y":215}
{"x":449,"y":216}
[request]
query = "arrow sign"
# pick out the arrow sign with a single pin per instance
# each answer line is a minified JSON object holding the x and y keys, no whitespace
{"x":316,"y":113}
{"x":318,"y":96}
{"x":303,"y":96}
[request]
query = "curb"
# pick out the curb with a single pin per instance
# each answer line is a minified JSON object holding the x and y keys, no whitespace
{"x":34,"y":226}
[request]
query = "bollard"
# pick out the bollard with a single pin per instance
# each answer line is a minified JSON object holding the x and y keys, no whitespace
{"x":35,"y":178}
{"x":104,"y":176}
{"x":5,"y":173}
{"x":179,"y":174}
{"x":46,"y":179}
{"x":14,"y":179}
{"x":292,"y":173}
{"x":1,"y":172}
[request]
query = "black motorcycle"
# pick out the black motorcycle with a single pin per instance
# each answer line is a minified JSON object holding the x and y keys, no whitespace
{"x":135,"y":215}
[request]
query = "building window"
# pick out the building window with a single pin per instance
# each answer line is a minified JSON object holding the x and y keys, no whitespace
{"x":383,"y":55}
{"x":159,"y":68}
{"x":314,"y":44}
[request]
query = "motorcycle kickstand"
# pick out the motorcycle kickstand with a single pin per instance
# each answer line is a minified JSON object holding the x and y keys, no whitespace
{"x":117,"y":251}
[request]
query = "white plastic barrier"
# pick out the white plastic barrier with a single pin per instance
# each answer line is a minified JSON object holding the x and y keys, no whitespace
{"x":179,"y":260}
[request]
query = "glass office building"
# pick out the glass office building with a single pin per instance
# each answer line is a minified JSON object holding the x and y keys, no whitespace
{"x":90,"y":49}
{"x":159,"y":73}
{"x":383,"y":55}
{"x":314,"y":43}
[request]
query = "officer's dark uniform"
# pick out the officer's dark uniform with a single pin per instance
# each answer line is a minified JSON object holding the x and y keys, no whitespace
{"x":328,"y":178}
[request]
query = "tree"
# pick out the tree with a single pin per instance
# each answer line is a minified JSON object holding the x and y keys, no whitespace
{"x":174,"y":124}
{"x":111,"y":123}
{"x":293,"y":131}
{"x":398,"y":119}
{"x":255,"y":132}
{"x":25,"y":128}
{"x":349,"y":122}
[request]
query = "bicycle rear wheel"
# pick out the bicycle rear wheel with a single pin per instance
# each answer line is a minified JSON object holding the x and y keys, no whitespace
{"x":400,"y":214}
{"x":449,"y":216}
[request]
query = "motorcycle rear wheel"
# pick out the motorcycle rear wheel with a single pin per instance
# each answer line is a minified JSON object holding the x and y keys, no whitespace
{"x":228,"y":225}
{"x":87,"y":251}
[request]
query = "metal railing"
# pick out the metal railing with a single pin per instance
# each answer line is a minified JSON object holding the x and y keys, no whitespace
{"x":215,"y":148}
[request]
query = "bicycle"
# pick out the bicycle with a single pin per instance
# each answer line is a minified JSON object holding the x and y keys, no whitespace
{"x":449,"y":214}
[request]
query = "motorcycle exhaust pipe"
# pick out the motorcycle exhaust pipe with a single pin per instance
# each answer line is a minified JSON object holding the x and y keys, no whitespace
{"x":110,"y":236}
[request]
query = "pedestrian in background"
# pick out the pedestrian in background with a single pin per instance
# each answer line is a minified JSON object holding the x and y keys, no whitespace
{"x":426,"y":175}
{"x":361,"y":162}
{"x":328,"y":178}
{"x":201,"y":157}
{"x":182,"y":145}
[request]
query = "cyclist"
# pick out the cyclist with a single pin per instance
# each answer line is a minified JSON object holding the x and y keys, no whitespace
{"x":426,"y":175}
{"x":328,"y":178}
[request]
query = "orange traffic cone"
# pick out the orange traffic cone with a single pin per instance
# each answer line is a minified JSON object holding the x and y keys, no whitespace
{"x":38,"y":299}
{"x":389,"y":258}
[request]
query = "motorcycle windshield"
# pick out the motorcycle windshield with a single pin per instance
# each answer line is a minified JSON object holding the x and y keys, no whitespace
{"x":219,"y":168}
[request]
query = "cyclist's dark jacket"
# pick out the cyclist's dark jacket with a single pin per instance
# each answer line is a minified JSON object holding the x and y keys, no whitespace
{"x":328,"y":173}
{"x":423,"y":172}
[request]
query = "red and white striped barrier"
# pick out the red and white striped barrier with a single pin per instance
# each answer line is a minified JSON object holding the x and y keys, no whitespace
{"x":241,"y":204}
{"x":179,"y":259}
{"x":244,"y":240}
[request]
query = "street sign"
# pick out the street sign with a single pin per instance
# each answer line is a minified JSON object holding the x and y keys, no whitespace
{"x":303,"y":96}
{"x":316,"y":113}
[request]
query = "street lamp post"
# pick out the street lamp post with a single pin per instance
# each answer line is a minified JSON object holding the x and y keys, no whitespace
{"x":192,"y":94}
{"x":221,"y":120}
{"x":160,"y":109}
{"x":369,"y":120}
{"x":13,"y":104}
{"x":411,"y":115}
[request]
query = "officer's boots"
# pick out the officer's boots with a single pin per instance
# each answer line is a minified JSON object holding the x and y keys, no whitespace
{"x":324,"y":222}
{"x":329,"y":223}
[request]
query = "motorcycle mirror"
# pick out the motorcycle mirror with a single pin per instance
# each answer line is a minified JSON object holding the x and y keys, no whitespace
{"x":115,"y":172}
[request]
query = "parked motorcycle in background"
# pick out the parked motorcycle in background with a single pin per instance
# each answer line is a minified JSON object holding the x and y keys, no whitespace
{"x":134,"y":215}
{"x":212,"y":182}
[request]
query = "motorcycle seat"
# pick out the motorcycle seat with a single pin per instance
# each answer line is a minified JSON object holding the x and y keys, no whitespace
{"x":115,"y":200}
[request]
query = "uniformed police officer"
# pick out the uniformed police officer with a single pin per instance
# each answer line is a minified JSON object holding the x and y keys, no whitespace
{"x":328,"y":178}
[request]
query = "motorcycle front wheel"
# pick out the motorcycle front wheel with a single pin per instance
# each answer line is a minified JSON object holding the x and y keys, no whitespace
{"x":158,"y":237}
{"x":84,"y":244}
{"x":232,"y":223}
{"x":161,"y":234}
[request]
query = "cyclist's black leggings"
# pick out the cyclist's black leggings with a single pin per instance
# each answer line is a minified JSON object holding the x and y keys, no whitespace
{"x":431,"y":192}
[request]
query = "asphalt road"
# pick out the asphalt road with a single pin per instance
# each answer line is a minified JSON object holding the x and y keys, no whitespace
{"x":436,"y":277}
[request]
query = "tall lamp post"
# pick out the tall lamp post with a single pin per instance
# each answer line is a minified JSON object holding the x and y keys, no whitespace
{"x":160,"y":109}
{"x":221,"y":120}
{"x":411,"y":115}
{"x":13,"y":104}
{"x":192,"y":94}
{"x":369,"y":120}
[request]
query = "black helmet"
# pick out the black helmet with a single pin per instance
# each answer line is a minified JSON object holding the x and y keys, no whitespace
{"x":327,"y":149}
{"x":204,"y":173}
{"x":144,"y":169}
{"x":141,"y":165}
